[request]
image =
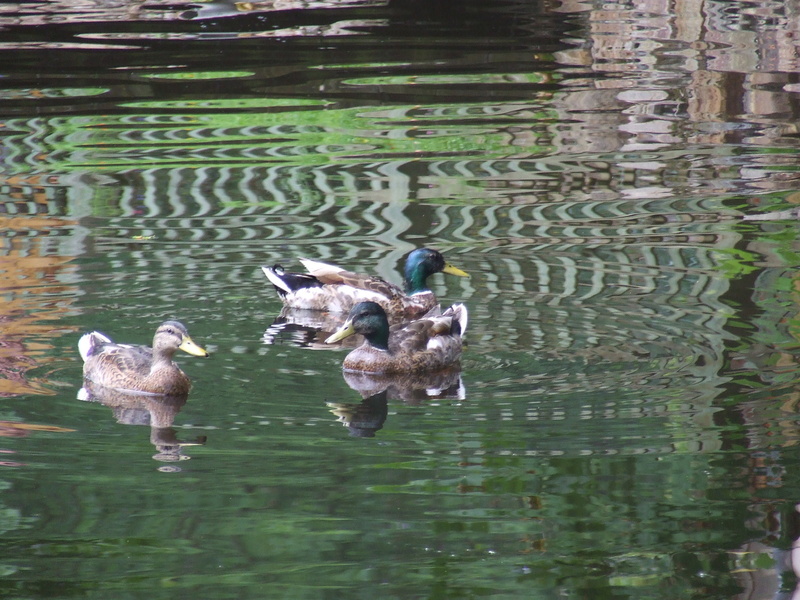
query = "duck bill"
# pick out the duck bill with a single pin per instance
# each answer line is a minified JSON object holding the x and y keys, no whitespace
{"x":344,"y":331}
{"x":448,"y":268}
{"x":188,"y":346}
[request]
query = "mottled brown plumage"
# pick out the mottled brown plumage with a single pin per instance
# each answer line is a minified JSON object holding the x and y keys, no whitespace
{"x":139,"y":368}
{"x":427,"y":344}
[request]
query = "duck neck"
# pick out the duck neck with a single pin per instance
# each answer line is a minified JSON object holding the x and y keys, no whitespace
{"x":416,"y":276}
{"x":378,"y":336}
{"x":161,"y":359}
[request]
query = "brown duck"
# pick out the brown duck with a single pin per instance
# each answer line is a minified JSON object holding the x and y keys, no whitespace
{"x":139,"y":368}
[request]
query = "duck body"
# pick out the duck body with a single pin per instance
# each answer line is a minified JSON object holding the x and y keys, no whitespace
{"x":135,"y":368}
{"x":331,"y":288}
{"x":431,"y":343}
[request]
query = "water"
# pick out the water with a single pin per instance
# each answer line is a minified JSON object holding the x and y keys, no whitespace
{"x":620,"y":183}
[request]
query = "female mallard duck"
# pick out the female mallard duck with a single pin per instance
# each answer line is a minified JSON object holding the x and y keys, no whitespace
{"x":427,"y":344}
{"x":139,"y":368}
{"x":328,"y":287}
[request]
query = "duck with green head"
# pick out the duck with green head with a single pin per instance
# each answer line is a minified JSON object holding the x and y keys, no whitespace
{"x":142,"y":369}
{"x":331,"y":288}
{"x":428,"y":344}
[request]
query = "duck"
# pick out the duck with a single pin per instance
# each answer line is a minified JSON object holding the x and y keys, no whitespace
{"x":330,"y":288}
{"x":433,"y":342}
{"x":142,"y":369}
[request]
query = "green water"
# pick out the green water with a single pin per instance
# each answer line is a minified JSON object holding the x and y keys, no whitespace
{"x":624,"y":424}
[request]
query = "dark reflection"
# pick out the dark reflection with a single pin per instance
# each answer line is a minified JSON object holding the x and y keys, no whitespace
{"x":411,"y":388}
{"x":368,"y":417}
{"x":363,"y":419}
{"x":762,"y":568}
{"x":307,"y":329}
{"x":766,"y":564}
{"x":144,"y":409}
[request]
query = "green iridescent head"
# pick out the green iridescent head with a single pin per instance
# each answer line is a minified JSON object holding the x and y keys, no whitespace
{"x":422,"y":263}
{"x":368,"y":319}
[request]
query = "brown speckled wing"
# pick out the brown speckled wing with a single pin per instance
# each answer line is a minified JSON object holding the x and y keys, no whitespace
{"x":119,"y":366}
{"x":381,"y":286}
{"x":135,"y":359}
{"x":414,"y":336}
{"x":363,"y":282}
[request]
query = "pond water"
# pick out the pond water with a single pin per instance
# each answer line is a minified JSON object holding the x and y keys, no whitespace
{"x":620,"y":181}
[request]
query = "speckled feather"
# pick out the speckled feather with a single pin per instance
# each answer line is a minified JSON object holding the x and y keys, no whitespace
{"x":428,"y":344}
{"x":331,"y":288}
{"x":138,"y":368}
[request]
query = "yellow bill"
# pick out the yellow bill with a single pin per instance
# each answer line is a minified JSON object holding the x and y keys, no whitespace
{"x":188,"y":346}
{"x":448,"y":268}
{"x":344,"y":331}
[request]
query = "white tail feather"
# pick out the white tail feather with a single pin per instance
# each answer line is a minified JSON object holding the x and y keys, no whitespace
{"x":89,"y":340}
{"x":459,"y":313}
{"x":275,"y":279}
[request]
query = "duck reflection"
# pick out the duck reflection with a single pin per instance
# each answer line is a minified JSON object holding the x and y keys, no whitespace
{"x":216,"y":9}
{"x":411,"y":388}
{"x":157,"y":411}
{"x":367,"y":417}
{"x":306,"y":329}
{"x":762,"y":567}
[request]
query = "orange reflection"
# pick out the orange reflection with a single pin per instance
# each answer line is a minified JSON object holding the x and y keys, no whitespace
{"x":17,"y":429}
{"x":33,"y":296}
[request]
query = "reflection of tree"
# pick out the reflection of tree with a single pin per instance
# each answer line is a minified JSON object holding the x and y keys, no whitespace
{"x":31,"y":290}
{"x":18,"y":429}
{"x":732,"y":68}
{"x":14,"y":362}
{"x":763,"y":402}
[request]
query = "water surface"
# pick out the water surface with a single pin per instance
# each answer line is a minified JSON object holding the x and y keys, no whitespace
{"x":620,"y":183}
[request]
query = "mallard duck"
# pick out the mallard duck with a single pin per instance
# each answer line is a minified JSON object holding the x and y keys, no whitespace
{"x":427,"y":344}
{"x":139,"y":368}
{"x":331,"y":288}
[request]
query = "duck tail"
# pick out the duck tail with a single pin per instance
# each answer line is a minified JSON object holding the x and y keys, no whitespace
{"x":460,"y":318}
{"x":90,"y":341}
{"x":275,"y":275}
{"x":287,"y":283}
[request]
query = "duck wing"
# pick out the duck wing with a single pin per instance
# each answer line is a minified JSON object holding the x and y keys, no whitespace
{"x":332,"y":275}
{"x":414,"y":337}
{"x":125,"y":360}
